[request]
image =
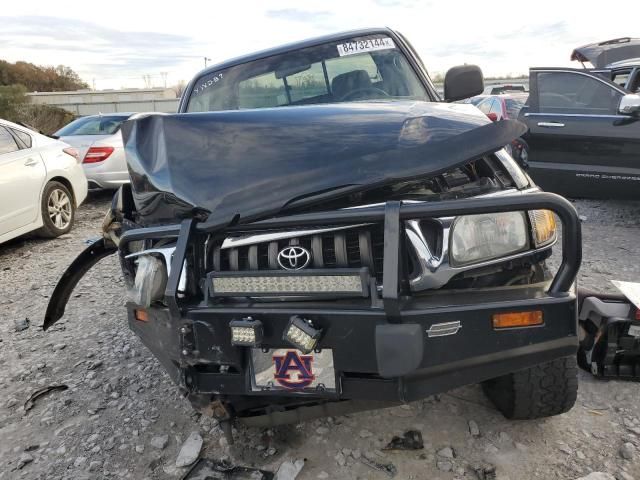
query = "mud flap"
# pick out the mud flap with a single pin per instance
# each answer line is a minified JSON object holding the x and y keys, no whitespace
{"x":72,"y":275}
{"x":610,"y":335}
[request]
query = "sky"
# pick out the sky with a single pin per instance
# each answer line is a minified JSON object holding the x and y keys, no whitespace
{"x":136,"y":43}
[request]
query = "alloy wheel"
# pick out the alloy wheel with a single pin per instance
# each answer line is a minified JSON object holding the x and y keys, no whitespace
{"x":59,"y":207}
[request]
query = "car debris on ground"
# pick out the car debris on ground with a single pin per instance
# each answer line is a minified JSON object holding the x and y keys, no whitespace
{"x":31,"y":401}
{"x":410,"y":440}
{"x":190,"y":450}
{"x":207,"y":469}
{"x":21,"y":324}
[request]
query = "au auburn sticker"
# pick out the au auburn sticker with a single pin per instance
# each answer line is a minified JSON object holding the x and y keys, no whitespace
{"x":293,"y":370}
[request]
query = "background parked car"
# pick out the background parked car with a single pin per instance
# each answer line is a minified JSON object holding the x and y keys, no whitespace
{"x":584,"y":134}
{"x":504,"y":88}
{"x":98,"y":141}
{"x":41,"y":183}
{"x":506,"y":106}
{"x":617,"y":60}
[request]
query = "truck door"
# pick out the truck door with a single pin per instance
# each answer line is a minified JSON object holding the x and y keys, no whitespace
{"x":579,"y":144}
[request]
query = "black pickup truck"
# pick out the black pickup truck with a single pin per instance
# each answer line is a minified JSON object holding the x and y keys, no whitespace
{"x":317,"y":233}
{"x":584,"y":123}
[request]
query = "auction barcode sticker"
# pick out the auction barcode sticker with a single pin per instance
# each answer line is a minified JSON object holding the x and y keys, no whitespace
{"x":368,"y":45}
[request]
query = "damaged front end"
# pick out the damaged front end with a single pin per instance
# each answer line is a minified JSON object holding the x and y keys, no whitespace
{"x":284,"y":264}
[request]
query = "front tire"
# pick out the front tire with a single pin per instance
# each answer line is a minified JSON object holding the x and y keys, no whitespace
{"x":57,"y":209}
{"x":542,"y":391}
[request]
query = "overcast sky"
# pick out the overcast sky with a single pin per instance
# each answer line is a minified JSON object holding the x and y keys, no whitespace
{"x":116,"y":43}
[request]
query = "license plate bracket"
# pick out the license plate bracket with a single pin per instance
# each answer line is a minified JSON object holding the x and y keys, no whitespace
{"x":290,"y":370}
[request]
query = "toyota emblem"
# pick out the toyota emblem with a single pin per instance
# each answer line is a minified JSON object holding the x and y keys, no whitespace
{"x":294,"y":257}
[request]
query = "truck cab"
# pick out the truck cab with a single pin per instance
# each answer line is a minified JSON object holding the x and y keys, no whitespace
{"x":369,"y":64}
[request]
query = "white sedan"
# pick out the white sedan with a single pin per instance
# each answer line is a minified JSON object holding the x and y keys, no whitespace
{"x":41,"y":183}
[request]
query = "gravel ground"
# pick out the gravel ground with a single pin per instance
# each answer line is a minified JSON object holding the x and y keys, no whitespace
{"x":122,"y":417}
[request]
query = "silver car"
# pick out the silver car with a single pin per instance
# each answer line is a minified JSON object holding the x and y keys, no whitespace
{"x":98,"y":141}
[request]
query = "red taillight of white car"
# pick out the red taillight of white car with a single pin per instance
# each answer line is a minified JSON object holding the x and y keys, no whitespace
{"x":73,"y":152}
{"x":97,"y":154}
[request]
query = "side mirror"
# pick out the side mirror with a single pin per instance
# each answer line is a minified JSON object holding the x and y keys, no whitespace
{"x":493,"y":116}
{"x":463,"y":81}
{"x":630,"y":104}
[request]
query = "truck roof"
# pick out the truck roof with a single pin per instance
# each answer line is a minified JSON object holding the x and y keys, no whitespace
{"x":293,"y":45}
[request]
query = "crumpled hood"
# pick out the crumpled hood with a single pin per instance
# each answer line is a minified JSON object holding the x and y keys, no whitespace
{"x":252,"y":163}
{"x":604,"y":54}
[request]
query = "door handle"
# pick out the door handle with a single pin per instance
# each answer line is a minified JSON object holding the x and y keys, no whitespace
{"x":31,"y":162}
{"x":551,"y":124}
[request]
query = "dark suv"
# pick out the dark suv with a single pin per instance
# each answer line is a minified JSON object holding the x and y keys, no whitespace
{"x":284,"y":263}
{"x":584,"y":124}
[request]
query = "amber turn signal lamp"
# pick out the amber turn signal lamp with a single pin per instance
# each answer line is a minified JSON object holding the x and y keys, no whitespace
{"x":517,"y":319}
{"x":141,"y":315}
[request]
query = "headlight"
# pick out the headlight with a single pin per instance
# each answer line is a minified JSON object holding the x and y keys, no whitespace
{"x":543,"y":223}
{"x":150,"y":281}
{"x":478,"y":238}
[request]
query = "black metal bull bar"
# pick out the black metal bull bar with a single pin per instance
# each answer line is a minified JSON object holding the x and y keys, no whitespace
{"x":392,"y":214}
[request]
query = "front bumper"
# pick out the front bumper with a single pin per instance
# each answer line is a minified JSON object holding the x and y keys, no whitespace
{"x":381,"y":351}
{"x":373,"y":359}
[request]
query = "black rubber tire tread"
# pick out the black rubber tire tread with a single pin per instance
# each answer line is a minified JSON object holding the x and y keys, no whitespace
{"x":48,"y":229}
{"x":542,"y":391}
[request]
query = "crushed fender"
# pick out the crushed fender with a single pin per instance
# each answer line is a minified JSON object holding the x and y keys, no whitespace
{"x":72,"y":275}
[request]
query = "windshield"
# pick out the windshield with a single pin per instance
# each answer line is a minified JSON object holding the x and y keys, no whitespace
{"x":364,"y":68}
{"x":99,"y":125}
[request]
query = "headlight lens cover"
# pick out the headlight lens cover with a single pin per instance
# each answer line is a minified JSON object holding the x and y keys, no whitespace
{"x":478,"y":238}
{"x":543,"y":224}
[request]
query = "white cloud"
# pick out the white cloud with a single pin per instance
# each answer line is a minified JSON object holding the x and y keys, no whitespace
{"x":118,"y":44}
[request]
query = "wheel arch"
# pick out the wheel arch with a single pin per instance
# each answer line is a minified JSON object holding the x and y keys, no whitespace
{"x":65,"y":181}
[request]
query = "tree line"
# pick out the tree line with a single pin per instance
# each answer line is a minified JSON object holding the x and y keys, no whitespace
{"x":36,"y":78}
{"x":16,"y":79}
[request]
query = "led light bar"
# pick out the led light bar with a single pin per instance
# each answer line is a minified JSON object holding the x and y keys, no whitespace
{"x":301,"y":334}
{"x":246,"y":332}
{"x":348,"y":282}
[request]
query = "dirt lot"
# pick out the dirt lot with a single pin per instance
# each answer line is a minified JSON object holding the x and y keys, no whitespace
{"x":121,"y":416}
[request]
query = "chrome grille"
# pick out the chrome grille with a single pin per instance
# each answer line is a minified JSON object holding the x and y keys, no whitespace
{"x":351,"y":247}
